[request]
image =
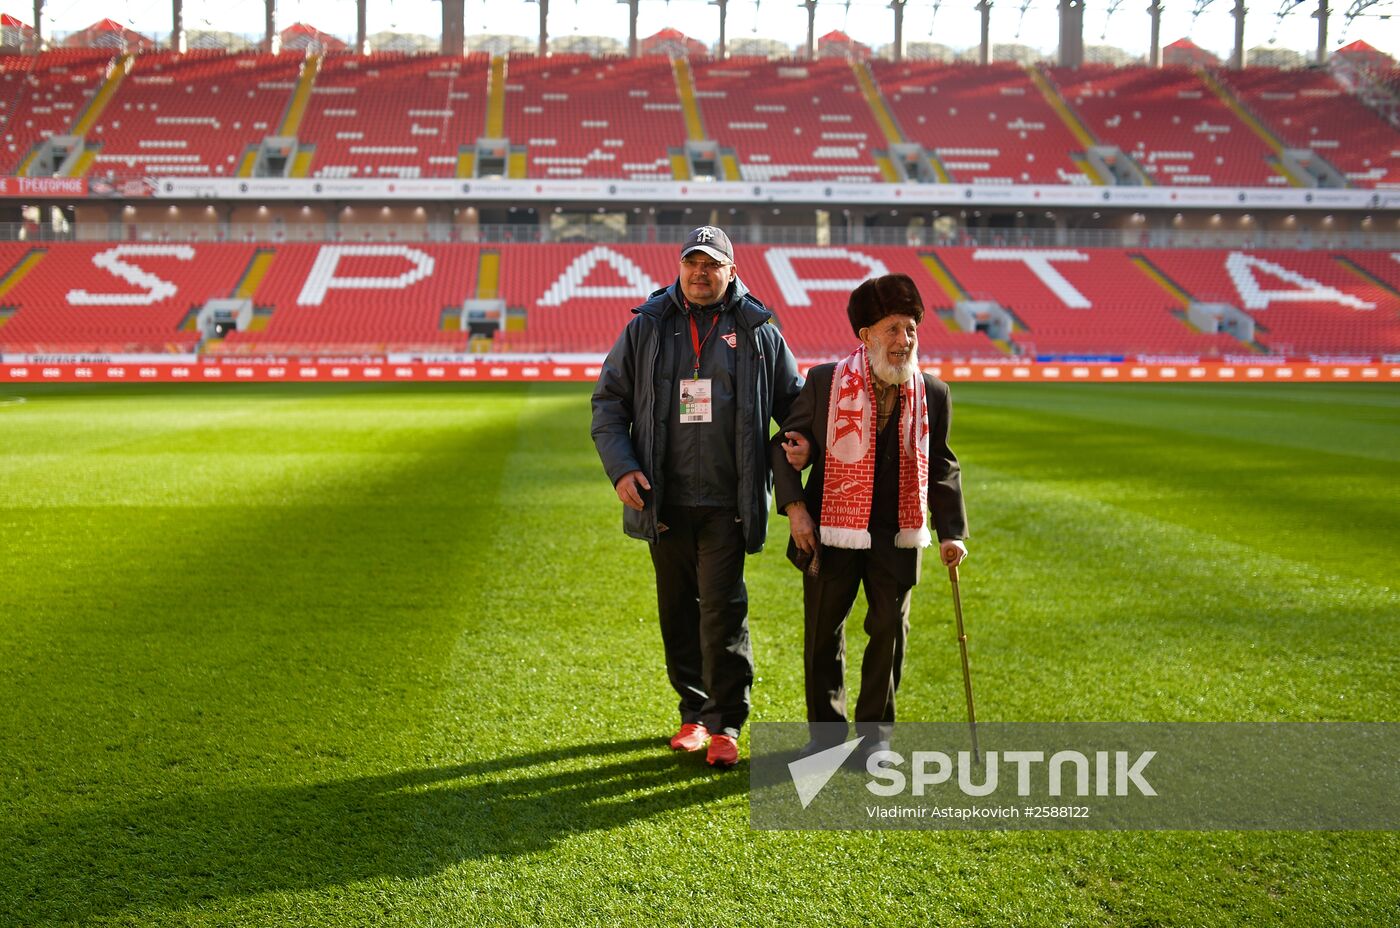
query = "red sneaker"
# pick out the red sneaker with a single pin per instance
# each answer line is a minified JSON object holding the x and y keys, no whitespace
{"x":723,"y":753}
{"x":691,"y":737}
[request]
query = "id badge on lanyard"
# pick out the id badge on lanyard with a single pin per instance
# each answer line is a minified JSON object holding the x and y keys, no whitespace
{"x":697,"y":401}
{"x":697,"y":394}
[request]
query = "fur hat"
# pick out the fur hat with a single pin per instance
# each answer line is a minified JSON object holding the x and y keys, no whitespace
{"x":878,"y":297}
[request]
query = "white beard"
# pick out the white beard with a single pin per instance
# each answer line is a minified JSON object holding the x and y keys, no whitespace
{"x":893,"y":373}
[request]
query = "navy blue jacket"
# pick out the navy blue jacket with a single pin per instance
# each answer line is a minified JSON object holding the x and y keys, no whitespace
{"x":629,"y":423}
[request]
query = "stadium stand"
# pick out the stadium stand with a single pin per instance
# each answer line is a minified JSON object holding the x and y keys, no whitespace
{"x":193,"y":113}
{"x":790,"y":120}
{"x":1383,"y":267}
{"x":987,"y":124}
{"x":405,"y":116}
{"x":579,"y":295}
{"x":391,"y":115}
{"x":1171,"y":122}
{"x":43,"y":96}
{"x":132,"y":298}
{"x":1081,"y":301}
{"x":594,"y":117}
{"x":1308,"y":109}
{"x":321,"y":298}
{"x":808,"y":288}
{"x":1303,"y":302}
{"x":576,"y":298}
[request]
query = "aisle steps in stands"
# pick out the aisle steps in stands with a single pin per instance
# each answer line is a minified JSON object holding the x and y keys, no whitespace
{"x":1286,"y":162}
{"x":1073,"y":123}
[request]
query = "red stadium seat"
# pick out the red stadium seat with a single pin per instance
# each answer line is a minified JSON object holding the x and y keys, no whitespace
{"x":376,"y":298}
{"x":795,"y":120}
{"x":192,"y":114}
{"x":987,"y":124}
{"x":1171,"y":123}
{"x":594,"y":117}
{"x":1309,"y":109}
{"x":390,"y":115}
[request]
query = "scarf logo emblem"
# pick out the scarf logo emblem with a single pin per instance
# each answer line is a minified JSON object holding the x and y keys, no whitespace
{"x":731,"y":339}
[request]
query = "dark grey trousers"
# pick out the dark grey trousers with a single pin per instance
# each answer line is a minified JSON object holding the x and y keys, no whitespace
{"x":704,"y":610}
{"x":888,"y":574}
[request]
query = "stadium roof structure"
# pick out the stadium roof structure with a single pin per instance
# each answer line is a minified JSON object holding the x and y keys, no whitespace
{"x":1184,"y":51}
{"x":1366,"y":53}
{"x":302,"y":37}
{"x":108,"y":33}
{"x":672,"y":42}
{"x":868,"y":22}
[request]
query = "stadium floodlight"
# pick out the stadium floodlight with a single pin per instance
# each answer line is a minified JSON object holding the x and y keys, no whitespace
{"x":1025,"y":5}
{"x":933,"y":17}
{"x":1108,"y":12}
{"x":1358,"y":7}
{"x":1284,"y":8}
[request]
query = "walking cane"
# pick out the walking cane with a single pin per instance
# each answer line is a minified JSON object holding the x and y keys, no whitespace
{"x":967,"y":673}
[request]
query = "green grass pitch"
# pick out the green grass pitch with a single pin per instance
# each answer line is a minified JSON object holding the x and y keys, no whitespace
{"x":381,"y":655}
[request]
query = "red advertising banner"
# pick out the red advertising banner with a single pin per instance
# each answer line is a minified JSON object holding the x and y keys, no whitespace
{"x":548,"y":371}
{"x":43,"y":187}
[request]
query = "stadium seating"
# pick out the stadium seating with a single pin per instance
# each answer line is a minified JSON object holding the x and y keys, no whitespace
{"x":988,"y":125}
{"x":131,"y":298}
{"x":1171,"y":122}
{"x":193,"y":113}
{"x":405,"y":116}
{"x":790,"y":120}
{"x":1081,"y":301}
{"x":594,"y":117}
{"x":331,"y":298}
{"x":1308,"y":109}
{"x":373,"y":298}
{"x":44,"y":95}
{"x":1383,"y":266}
{"x":390,"y":115}
{"x":579,"y":295}
{"x":1302,"y":302}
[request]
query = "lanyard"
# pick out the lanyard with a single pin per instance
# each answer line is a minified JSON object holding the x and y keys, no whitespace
{"x":697,"y":342}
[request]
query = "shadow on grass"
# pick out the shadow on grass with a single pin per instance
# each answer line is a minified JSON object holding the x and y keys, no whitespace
{"x":194,"y":850}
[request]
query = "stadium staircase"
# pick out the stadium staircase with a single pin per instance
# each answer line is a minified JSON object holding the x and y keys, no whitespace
{"x":1081,"y":302}
{"x":883,"y":118}
{"x":790,"y":120}
{"x":88,"y":118}
{"x":579,"y":116}
{"x":191,"y":114}
{"x":980,"y":125}
{"x":1171,"y":124}
{"x":48,"y":93}
{"x":1280,"y":159}
{"x":1309,"y":110}
{"x":1347,"y":312}
{"x":394,"y":115}
{"x":1071,"y":122}
{"x":301,"y":96}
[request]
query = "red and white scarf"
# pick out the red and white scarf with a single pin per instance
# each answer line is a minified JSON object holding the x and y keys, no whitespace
{"x":849,"y":489}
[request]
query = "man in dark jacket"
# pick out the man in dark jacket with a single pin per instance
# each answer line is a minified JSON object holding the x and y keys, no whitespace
{"x":681,"y":420}
{"x":875,"y":431}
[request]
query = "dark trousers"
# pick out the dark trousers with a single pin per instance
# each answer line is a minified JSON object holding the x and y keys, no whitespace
{"x":888,"y":574}
{"x":704,"y":609}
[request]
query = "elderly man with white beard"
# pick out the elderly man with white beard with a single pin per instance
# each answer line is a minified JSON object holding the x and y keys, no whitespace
{"x":875,"y":430}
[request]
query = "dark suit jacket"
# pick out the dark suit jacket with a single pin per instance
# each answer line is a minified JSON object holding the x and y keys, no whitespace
{"x":808,"y":415}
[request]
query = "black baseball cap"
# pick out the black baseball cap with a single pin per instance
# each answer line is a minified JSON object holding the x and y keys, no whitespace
{"x":712,"y":241}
